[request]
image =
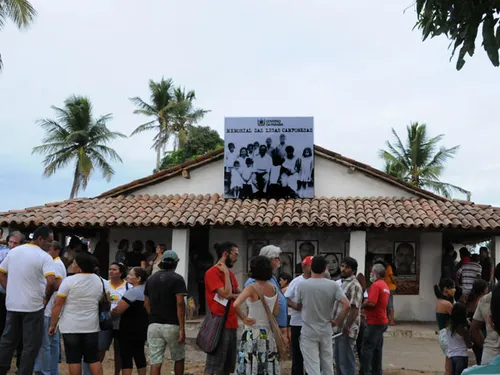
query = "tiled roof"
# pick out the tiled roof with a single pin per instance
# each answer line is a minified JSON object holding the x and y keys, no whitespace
{"x":219,"y":154}
{"x":191,"y":210}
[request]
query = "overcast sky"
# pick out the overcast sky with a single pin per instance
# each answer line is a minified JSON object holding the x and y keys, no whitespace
{"x":356,"y":66}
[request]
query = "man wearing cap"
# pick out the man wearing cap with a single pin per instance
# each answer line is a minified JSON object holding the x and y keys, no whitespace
{"x":164,"y":300}
{"x":273,"y":253}
{"x":296,"y":316}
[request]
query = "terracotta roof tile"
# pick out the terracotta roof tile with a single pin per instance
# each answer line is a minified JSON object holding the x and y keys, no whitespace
{"x":191,"y":210}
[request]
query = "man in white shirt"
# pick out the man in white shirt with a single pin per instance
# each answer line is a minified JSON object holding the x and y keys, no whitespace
{"x":47,"y":362}
{"x":262,"y":165}
{"x":27,"y":274}
{"x":296,"y":316}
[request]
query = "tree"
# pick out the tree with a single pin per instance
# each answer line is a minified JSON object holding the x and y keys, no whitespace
{"x":460,"y":21}
{"x":162,"y":103}
{"x":200,"y":140}
{"x":21,"y":12}
{"x":184,"y":115}
{"x":75,"y":136}
{"x":419,"y":162}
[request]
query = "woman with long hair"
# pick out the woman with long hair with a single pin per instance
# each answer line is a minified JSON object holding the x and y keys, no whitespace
{"x":154,"y":263}
{"x":133,"y":323}
{"x":458,"y":339}
{"x":444,"y":293}
{"x":258,"y":353}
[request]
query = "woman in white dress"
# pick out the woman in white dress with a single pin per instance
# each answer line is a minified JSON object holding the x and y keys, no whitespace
{"x":258,"y":354}
{"x":290,"y":169}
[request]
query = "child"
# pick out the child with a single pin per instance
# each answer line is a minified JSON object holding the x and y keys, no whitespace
{"x":458,"y":339}
{"x":306,"y":172}
{"x":248,"y":176}
{"x":236,"y":180}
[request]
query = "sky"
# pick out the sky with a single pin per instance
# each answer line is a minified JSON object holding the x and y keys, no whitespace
{"x":356,"y":66}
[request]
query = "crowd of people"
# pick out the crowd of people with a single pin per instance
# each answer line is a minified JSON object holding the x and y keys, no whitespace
{"x":467,"y":311}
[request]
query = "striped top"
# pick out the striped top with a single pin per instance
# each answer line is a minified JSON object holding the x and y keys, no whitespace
{"x":469,"y":273}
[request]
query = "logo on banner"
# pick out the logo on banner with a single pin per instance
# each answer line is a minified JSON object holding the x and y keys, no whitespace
{"x":261,"y":122}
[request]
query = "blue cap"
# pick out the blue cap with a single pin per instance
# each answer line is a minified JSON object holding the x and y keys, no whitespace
{"x":169,"y":255}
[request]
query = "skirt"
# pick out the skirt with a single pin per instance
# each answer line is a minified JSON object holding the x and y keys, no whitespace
{"x":258,"y":354}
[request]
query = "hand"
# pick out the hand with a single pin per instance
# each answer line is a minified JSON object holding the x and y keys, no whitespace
{"x":52,"y":330}
{"x":298,"y":306}
{"x":335,"y":323}
{"x":222,"y":266}
{"x":234,"y":296}
{"x":182,"y":336}
{"x":45,"y":301}
{"x":345,"y":330}
{"x":249,"y":321}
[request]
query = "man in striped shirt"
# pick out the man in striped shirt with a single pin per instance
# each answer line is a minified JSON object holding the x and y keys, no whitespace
{"x":468,"y":273}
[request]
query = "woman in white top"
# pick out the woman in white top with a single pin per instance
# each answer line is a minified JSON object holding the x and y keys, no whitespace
{"x":154,"y":264}
{"x":78,"y":298}
{"x":258,"y":352}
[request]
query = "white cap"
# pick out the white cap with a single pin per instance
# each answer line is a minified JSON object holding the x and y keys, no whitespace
{"x":270,"y":251}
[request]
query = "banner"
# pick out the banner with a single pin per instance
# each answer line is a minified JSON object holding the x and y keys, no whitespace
{"x":271,"y":157}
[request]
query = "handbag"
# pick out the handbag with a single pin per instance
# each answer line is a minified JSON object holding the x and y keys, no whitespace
{"x":105,"y":320}
{"x":278,"y":336}
{"x":211,"y":329}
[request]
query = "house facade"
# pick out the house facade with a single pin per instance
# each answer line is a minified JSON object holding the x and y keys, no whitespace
{"x":358,"y":210}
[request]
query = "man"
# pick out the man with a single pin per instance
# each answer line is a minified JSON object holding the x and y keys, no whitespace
{"x":448,"y":268}
{"x":468,"y":273}
{"x":296,"y":316}
{"x":262,"y":165}
{"x":486,"y":265}
{"x":273,"y":254}
{"x":405,"y":259}
{"x":344,"y":344}
{"x":221,"y":288}
{"x":164,"y":300}
{"x":491,"y":343}
{"x":269,"y":147}
{"x":376,"y":322}
{"x":13,"y":240}
{"x":47,"y":362}
{"x":318,"y":296}
{"x":3,"y":242}
{"x":494,"y":321}
{"x":27,"y":274}
{"x":306,"y":249}
{"x":280,"y":149}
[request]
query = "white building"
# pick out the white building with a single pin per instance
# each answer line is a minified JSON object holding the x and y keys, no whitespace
{"x":357,"y":209}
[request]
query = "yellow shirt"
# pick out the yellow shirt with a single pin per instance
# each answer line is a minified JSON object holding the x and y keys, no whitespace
{"x":389,"y":276}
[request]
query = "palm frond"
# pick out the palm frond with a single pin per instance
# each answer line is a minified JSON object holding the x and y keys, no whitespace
{"x":21,"y":12}
{"x":143,"y":107}
{"x":145,"y":127}
{"x":443,"y":188}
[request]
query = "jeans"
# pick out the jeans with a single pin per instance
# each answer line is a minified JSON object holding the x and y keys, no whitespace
{"x":344,"y":355}
{"x":359,"y":340}
{"x":31,"y":326}
{"x":3,"y":312}
{"x":297,"y":360}
{"x":47,"y":362}
{"x":317,"y":353}
{"x":371,"y":353}
{"x":459,"y":364}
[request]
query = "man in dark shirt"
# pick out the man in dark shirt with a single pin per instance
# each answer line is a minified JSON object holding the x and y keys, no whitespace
{"x":164,"y":300}
{"x":448,"y":270}
{"x":486,"y":265}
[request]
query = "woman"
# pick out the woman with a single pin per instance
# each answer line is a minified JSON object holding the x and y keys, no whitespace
{"x":154,"y":263}
{"x":333,"y":266}
{"x":444,"y":293}
{"x":77,"y":304}
{"x":133,"y":323}
{"x":136,"y":258}
{"x":390,"y":280}
{"x":479,"y":289}
{"x":258,"y":353}
{"x":458,"y":339}
{"x":116,"y":286}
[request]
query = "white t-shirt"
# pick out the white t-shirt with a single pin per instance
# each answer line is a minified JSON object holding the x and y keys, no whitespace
{"x":27,"y":267}
{"x":291,"y":292}
{"x":115,"y":295}
{"x":80,"y":313}
{"x":60,"y":271}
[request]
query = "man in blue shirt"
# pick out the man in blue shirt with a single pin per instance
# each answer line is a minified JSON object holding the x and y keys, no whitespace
{"x":273,"y":254}
{"x":494,"y":366}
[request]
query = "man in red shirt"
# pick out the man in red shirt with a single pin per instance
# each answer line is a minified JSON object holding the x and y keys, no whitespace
{"x":376,"y":323}
{"x":221,"y":288}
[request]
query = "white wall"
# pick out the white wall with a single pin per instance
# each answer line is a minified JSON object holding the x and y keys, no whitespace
{"x":422,"y":307}
{"x":158,"y":235}
{"x":331,"y":179}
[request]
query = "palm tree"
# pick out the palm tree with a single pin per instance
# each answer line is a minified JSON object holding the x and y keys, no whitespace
{"x":21,"y":12}
{"x":184,"y":115}
{"x":162,"y":103}
{"x":420,"y":162}
{"x":75,"y":136}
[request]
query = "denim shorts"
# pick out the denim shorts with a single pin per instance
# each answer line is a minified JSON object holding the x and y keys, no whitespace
{"x":81,"y":345}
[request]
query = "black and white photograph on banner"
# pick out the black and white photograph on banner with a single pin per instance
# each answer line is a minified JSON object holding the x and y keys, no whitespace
{"x":286,"y":261}
{"x":333,"y":264}
{"x":270,"y":157}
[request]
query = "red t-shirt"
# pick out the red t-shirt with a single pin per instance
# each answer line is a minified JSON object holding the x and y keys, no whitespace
{"x":215,"y":279}
{"x":378,"y":293}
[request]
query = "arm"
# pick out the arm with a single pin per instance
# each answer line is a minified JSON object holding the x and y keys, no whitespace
{"x":181,"y":315}
{"x":225,"y":291}
{"x":464,"y":332}
{"x":276,"y":308}
{"x":475,"y":330}
{"x":3,"y":280}
{"x":147,"y":306}
{"x":56,"y":312}
{"x":345,"y":309}
{"x":50,"y":287}
{"x":120,"y":308}
{"x":247,"y":292}
{"x":143,"y":264}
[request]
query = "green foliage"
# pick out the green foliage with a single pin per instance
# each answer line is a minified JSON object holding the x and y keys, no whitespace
{"x":420,"y":161}
{"x":199,"y":141}
{"x":21,"y":12}
{"x":76,"y":137}
{"x":460,"y":21}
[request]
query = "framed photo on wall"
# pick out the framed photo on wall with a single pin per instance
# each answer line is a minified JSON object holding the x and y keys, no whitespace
{"x":333,"y":264}
{"x":287,"y":263}
{"x":304,"y":248}
{"x":405,"y":260}
{"x":253,"y":248}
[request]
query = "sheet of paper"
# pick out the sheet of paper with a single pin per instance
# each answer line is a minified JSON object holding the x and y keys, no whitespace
{"x":219,"y":299}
